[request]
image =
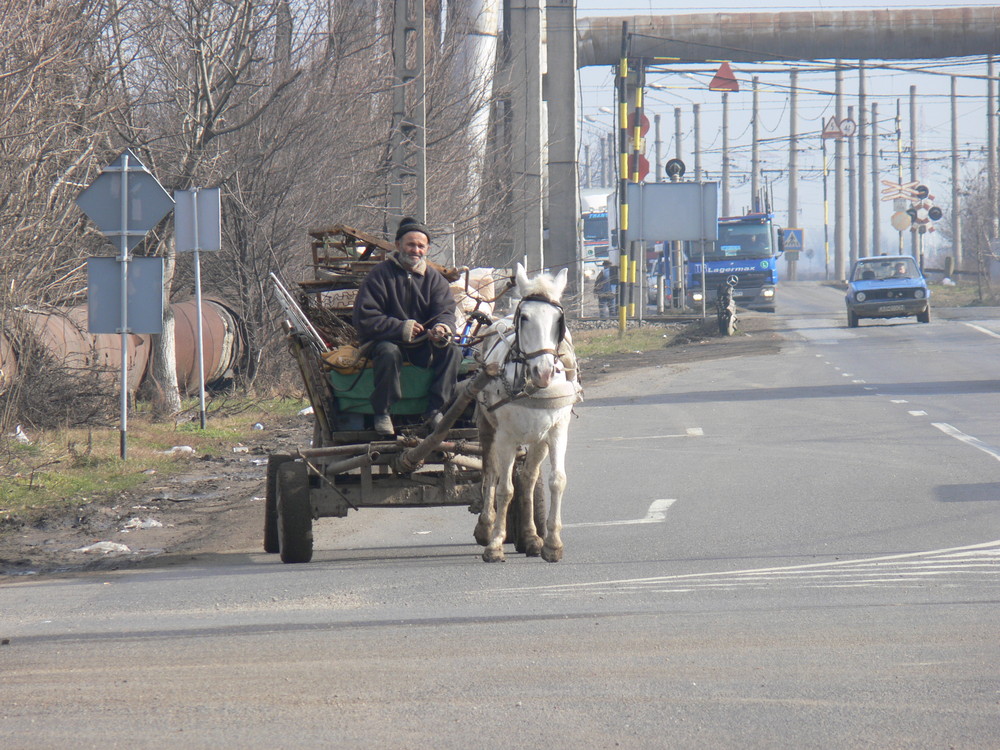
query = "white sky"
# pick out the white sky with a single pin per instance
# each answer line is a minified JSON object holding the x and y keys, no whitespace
{"x":815,"y":105}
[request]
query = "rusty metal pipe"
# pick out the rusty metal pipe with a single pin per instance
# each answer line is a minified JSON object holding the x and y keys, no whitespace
{"x":468,"y":462}
{"x":468,"y":448}
{"x":340,"y":467}
{"x":354,"y":449}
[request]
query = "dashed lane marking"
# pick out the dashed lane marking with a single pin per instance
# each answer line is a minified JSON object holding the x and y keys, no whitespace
{"x":657,"y":513}
{"x":975,"y":442}
{"x":689,"y":432}
{"x":987,"y":331}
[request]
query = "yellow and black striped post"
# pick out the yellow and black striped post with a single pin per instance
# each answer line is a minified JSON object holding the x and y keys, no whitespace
{"x":623,"y":174}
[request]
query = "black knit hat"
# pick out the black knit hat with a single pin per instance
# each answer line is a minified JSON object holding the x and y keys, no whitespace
{"x":412,"y":225}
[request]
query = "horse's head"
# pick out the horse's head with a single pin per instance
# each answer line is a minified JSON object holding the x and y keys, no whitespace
{"x":539,"y":323}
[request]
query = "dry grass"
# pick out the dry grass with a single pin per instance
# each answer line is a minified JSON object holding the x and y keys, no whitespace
{"x":67,"y":467}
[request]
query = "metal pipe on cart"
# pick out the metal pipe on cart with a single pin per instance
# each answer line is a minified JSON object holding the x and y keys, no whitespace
{"x":356,"y":462}
{"x":467,"y":462}
{"x":355,"y":449}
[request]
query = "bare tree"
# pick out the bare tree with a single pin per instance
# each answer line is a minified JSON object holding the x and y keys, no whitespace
{"x":284,"y":104}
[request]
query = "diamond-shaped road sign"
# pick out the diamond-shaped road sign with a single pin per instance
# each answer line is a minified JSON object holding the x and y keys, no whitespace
{"x":147,"y":202}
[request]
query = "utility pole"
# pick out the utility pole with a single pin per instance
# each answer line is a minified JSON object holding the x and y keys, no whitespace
{"x":564,"y":244}
{"x":657,"y":146}
{"x":793,"y":163}
{"x":756,"y":204}
{"x":899,"y":160}
{"x":864,"y":248}
{"x":914,"y":236}
{"x":876,"y":229}
{"x":956,"y":208}
{"x":725,"y":153}
{"x":526,"y":138}
{"x":678,"y":135}
{"x":697,"y":142}
{"x":991,"y":141}
{"x":408,"y":141}
{"x":839,"y":191}
{"x":852,"y":196}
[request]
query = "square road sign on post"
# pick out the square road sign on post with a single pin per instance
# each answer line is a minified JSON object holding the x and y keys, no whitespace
{"x":145,"y":295}
{"x":198,"y":220}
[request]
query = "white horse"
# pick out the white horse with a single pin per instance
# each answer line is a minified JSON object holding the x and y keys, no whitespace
{"x":529,"y":404}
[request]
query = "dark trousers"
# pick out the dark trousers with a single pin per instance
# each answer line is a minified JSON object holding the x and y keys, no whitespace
{"x":387,"y":360}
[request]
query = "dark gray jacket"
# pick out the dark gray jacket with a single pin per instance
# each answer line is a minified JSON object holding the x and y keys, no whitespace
{"x":391,"y":296}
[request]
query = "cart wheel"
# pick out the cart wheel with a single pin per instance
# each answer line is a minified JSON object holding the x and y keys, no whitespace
{"x":295,"y":537}
{"x":271,"y":502}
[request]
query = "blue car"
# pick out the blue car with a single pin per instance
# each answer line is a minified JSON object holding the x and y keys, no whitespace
{"x":887,"y":286}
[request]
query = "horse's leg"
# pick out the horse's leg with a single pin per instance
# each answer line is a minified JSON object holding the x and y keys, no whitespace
{"x":484,"y":525}
{"x":526,"y":480}
{"x":538,"y":498}
{"x":501,"y":465}
{"x":552,"y":551}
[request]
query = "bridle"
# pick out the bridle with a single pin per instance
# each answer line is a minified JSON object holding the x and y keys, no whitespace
{"x":516,"y":354}
{"x":520,"y":388}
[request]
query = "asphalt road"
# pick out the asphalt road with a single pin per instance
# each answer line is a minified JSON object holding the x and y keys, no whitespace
{"x":796,"y":550}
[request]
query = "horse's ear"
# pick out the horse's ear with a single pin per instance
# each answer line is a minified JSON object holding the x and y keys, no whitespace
{"x":521,"y":277}
{"x":559,"y":282}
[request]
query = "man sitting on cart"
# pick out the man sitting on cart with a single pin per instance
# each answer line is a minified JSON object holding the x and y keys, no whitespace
{"x":406,"y":311}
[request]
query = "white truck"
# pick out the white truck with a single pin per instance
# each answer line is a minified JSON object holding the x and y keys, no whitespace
{"x":599,"y":217}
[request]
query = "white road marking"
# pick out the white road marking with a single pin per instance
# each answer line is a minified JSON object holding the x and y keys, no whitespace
{"x":975,"y":563}
{"x":657,"y":513}
{"x":950,"y":431}
{"x":987,"y":331}
{"x":690,"y":432}
{"x":917,"y":413}
{"x":899,"y":401}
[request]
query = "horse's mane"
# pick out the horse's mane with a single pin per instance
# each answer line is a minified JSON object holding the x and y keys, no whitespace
{"x":543,"y":285}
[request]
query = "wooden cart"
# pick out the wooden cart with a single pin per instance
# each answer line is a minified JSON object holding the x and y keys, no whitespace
{"x":349,"y":466}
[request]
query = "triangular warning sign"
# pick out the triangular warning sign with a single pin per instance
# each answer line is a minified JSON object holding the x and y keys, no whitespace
{"x":724,"y":80}
{"x":831,"y":128}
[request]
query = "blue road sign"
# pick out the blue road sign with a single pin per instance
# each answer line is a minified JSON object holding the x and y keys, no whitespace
{"x":793,"y":239}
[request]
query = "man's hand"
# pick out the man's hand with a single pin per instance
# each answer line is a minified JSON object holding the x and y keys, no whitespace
{"x":417,"y":329}
{"x":440,"y":333}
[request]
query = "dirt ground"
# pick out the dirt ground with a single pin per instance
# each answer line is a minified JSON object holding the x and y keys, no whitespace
{"x":217,"y":505}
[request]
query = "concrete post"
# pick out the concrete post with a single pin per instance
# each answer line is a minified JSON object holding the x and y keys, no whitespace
{"x":956,"y":203}
{"x":526,"y":136}
{"x":839,"y":188}
{"x":864,"y":243}
{"x":564,"y":198}
{"x":793,"y":163}
{"x":876,"y":229}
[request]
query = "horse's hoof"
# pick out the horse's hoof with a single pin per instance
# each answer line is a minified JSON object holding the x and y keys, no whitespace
{"x":493,"y":555}
{"x":482,"y":534}
{"x":533,"y":548}
{"x":552,"y":554}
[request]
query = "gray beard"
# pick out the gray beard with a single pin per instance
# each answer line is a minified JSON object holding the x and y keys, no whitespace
{"x":409,"y":264}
